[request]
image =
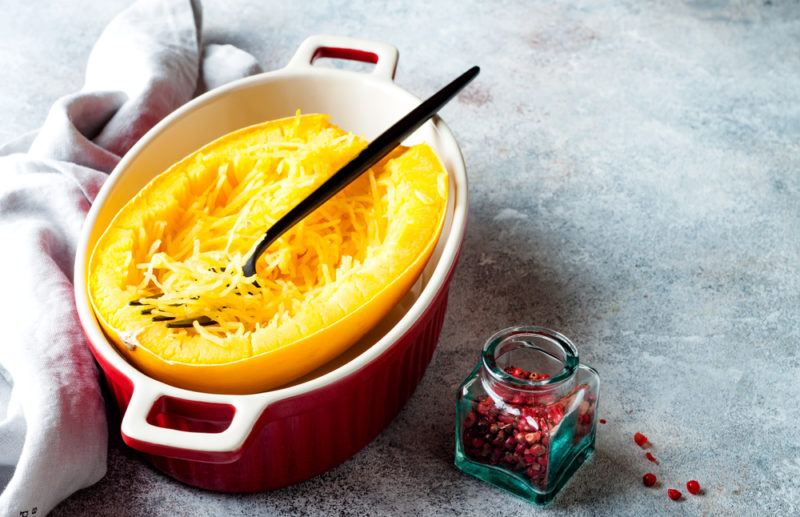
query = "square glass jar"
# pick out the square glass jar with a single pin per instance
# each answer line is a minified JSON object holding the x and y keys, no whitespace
{"x":526,"y":415}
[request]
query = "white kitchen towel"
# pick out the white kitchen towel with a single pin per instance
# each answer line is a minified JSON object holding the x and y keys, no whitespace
{"x":148,"y":61}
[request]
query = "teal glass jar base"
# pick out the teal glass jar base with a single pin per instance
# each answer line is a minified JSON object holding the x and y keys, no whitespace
{"x":517,"y":485}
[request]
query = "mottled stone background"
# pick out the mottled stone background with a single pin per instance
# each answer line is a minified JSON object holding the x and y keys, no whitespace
{"x":634,"y":170}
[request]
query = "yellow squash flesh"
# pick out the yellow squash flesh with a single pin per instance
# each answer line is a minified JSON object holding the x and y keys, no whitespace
{"x":175,"y":251}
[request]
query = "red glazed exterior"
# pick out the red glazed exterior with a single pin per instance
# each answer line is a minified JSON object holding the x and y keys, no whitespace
{"x":298,"y":438}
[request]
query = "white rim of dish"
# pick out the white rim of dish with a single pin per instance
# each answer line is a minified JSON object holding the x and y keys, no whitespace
{"x":146,"y":390}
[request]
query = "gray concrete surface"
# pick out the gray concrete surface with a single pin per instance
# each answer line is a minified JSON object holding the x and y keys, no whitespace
{"x":635,"y":184}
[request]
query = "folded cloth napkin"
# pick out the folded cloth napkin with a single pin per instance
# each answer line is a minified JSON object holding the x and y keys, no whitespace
{"x":148,"y":61}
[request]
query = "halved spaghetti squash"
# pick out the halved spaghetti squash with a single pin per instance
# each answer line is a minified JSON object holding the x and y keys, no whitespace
{"x":174,"y":254}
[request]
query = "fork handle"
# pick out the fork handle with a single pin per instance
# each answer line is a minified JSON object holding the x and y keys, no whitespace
{"x":372,"y":154}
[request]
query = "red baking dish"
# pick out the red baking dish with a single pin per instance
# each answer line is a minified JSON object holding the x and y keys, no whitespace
{"x":247,"y":443}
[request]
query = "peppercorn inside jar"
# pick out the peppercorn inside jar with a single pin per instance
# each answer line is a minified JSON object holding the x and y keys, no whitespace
{"x":526,"y":415}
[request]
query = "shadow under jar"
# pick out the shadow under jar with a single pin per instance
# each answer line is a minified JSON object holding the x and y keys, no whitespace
{"x":526,"y":415}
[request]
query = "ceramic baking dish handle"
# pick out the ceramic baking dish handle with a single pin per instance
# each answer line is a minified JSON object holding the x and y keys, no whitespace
{"x":219,"y":447}
{"x":383,"y":55}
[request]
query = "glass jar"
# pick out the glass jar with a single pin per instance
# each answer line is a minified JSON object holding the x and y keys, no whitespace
{"x":526,"y":415}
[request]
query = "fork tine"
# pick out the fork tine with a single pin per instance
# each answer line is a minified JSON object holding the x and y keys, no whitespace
{"x":204,"y":321}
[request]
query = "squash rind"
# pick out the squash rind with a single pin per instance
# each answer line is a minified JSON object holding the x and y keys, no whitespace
{"x":271,"y":358}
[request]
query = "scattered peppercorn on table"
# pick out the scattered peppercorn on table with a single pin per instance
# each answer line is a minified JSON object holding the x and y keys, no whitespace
{"x":633,"y":185}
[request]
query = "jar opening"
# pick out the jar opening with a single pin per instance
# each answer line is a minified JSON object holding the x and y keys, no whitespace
{"x":532,"y":349}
